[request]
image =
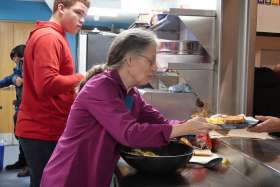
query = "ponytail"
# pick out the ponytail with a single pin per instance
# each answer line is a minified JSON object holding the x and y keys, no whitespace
{"x":94,"y":70}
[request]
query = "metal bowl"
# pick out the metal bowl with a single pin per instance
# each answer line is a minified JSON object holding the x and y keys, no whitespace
{"x":171,"y":157}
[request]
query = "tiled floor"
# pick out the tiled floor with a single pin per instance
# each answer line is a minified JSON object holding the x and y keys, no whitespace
{"x":9,"y":178}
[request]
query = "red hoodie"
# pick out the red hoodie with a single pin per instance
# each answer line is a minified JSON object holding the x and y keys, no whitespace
{"x":49,"y":81}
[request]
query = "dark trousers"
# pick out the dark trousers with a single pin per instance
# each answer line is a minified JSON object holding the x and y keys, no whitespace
{"x":37,"y":154}
{"x":21,"y":157}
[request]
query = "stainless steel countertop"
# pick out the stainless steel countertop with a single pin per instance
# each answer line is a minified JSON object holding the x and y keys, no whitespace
{"x":266,"y":152}
{"x":252,"y":163}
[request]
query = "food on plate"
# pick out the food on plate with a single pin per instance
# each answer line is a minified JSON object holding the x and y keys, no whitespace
{"x":234,"y":119}
{"x":227,"y":119}
{"x":185,"y":141}
{"x":202,"y":152}
{"x":216,"y":120}
{"x":140,"y":152}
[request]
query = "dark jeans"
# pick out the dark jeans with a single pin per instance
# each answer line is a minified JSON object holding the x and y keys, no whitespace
{"x":21,"y":157}
{"x":37,"y":154}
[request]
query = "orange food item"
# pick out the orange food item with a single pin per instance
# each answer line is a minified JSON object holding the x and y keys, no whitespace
{"x":234,"y":119}
{"x":185,"y":141}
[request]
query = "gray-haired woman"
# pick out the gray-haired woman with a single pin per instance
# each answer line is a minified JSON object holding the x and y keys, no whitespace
{"x":109,"y":111}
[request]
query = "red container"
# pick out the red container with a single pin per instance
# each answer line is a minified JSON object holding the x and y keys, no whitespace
{"x":204,"y":139}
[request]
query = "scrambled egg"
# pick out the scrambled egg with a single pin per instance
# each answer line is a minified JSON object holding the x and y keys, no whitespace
{"x":216,"y":120}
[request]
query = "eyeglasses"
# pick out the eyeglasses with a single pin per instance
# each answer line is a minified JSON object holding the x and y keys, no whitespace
{"x":152,"y":62}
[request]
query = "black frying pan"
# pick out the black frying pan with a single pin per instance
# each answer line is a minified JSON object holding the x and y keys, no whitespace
{"x":171,"y":157}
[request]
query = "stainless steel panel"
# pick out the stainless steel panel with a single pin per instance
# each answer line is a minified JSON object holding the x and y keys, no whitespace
{"x":93,"y":49}
{"x":192,"y":12}
{"x":178,"y":106}
{"x":190,"y":66}
{"x":266,"y":152}
{"x":193,"y":25}
{"x":97,"y":47}
{"x":168,"y":28}
{"x":174,"y":61}
{"x":250,"y":56}
{"x":164,"y":80}
{"x":250,"y":166}
{"x":237,"y":27}
{"x":204,"y":30}
{"x":202,"y":83}
{"x":191,"y":53}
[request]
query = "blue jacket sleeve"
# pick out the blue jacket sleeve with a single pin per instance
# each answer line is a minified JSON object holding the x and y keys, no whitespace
{"x":17,"y":72}
{"x":6,"y":81}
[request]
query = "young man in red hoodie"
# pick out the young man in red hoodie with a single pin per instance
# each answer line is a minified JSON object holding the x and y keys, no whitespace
{"x":49,"y":82}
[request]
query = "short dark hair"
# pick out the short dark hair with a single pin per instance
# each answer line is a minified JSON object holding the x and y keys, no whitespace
{"x":17,"y":51}
{"x":69,"y":3}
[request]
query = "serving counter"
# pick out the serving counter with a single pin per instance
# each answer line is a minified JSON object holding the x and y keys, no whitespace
{"x":264,"y":152}
{"x":252,"y":163}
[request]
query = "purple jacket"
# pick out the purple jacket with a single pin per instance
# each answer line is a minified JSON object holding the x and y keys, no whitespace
{"x":87,"y":152}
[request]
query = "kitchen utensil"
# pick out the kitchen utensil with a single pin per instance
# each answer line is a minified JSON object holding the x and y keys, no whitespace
{"x":186,"y":88}
{"x":170,"y":158}
{"x":199,"y":103}
{"x":209,"y":162}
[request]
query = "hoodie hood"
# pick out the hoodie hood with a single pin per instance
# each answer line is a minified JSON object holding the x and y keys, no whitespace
{"x":48,"y":24}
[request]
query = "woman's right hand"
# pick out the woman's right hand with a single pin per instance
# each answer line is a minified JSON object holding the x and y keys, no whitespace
{"x":193,"y":126}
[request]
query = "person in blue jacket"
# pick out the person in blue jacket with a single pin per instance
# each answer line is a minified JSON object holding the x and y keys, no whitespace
{"x":16,"y":79}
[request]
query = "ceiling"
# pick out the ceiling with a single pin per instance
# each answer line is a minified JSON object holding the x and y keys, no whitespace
{"x":110,"y":11}
{"x":121,"y":5}
{"x":106,"y":3}
{"x":106,"y":11}
{"x":94,"y":3}
{"x":32,"y":0}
